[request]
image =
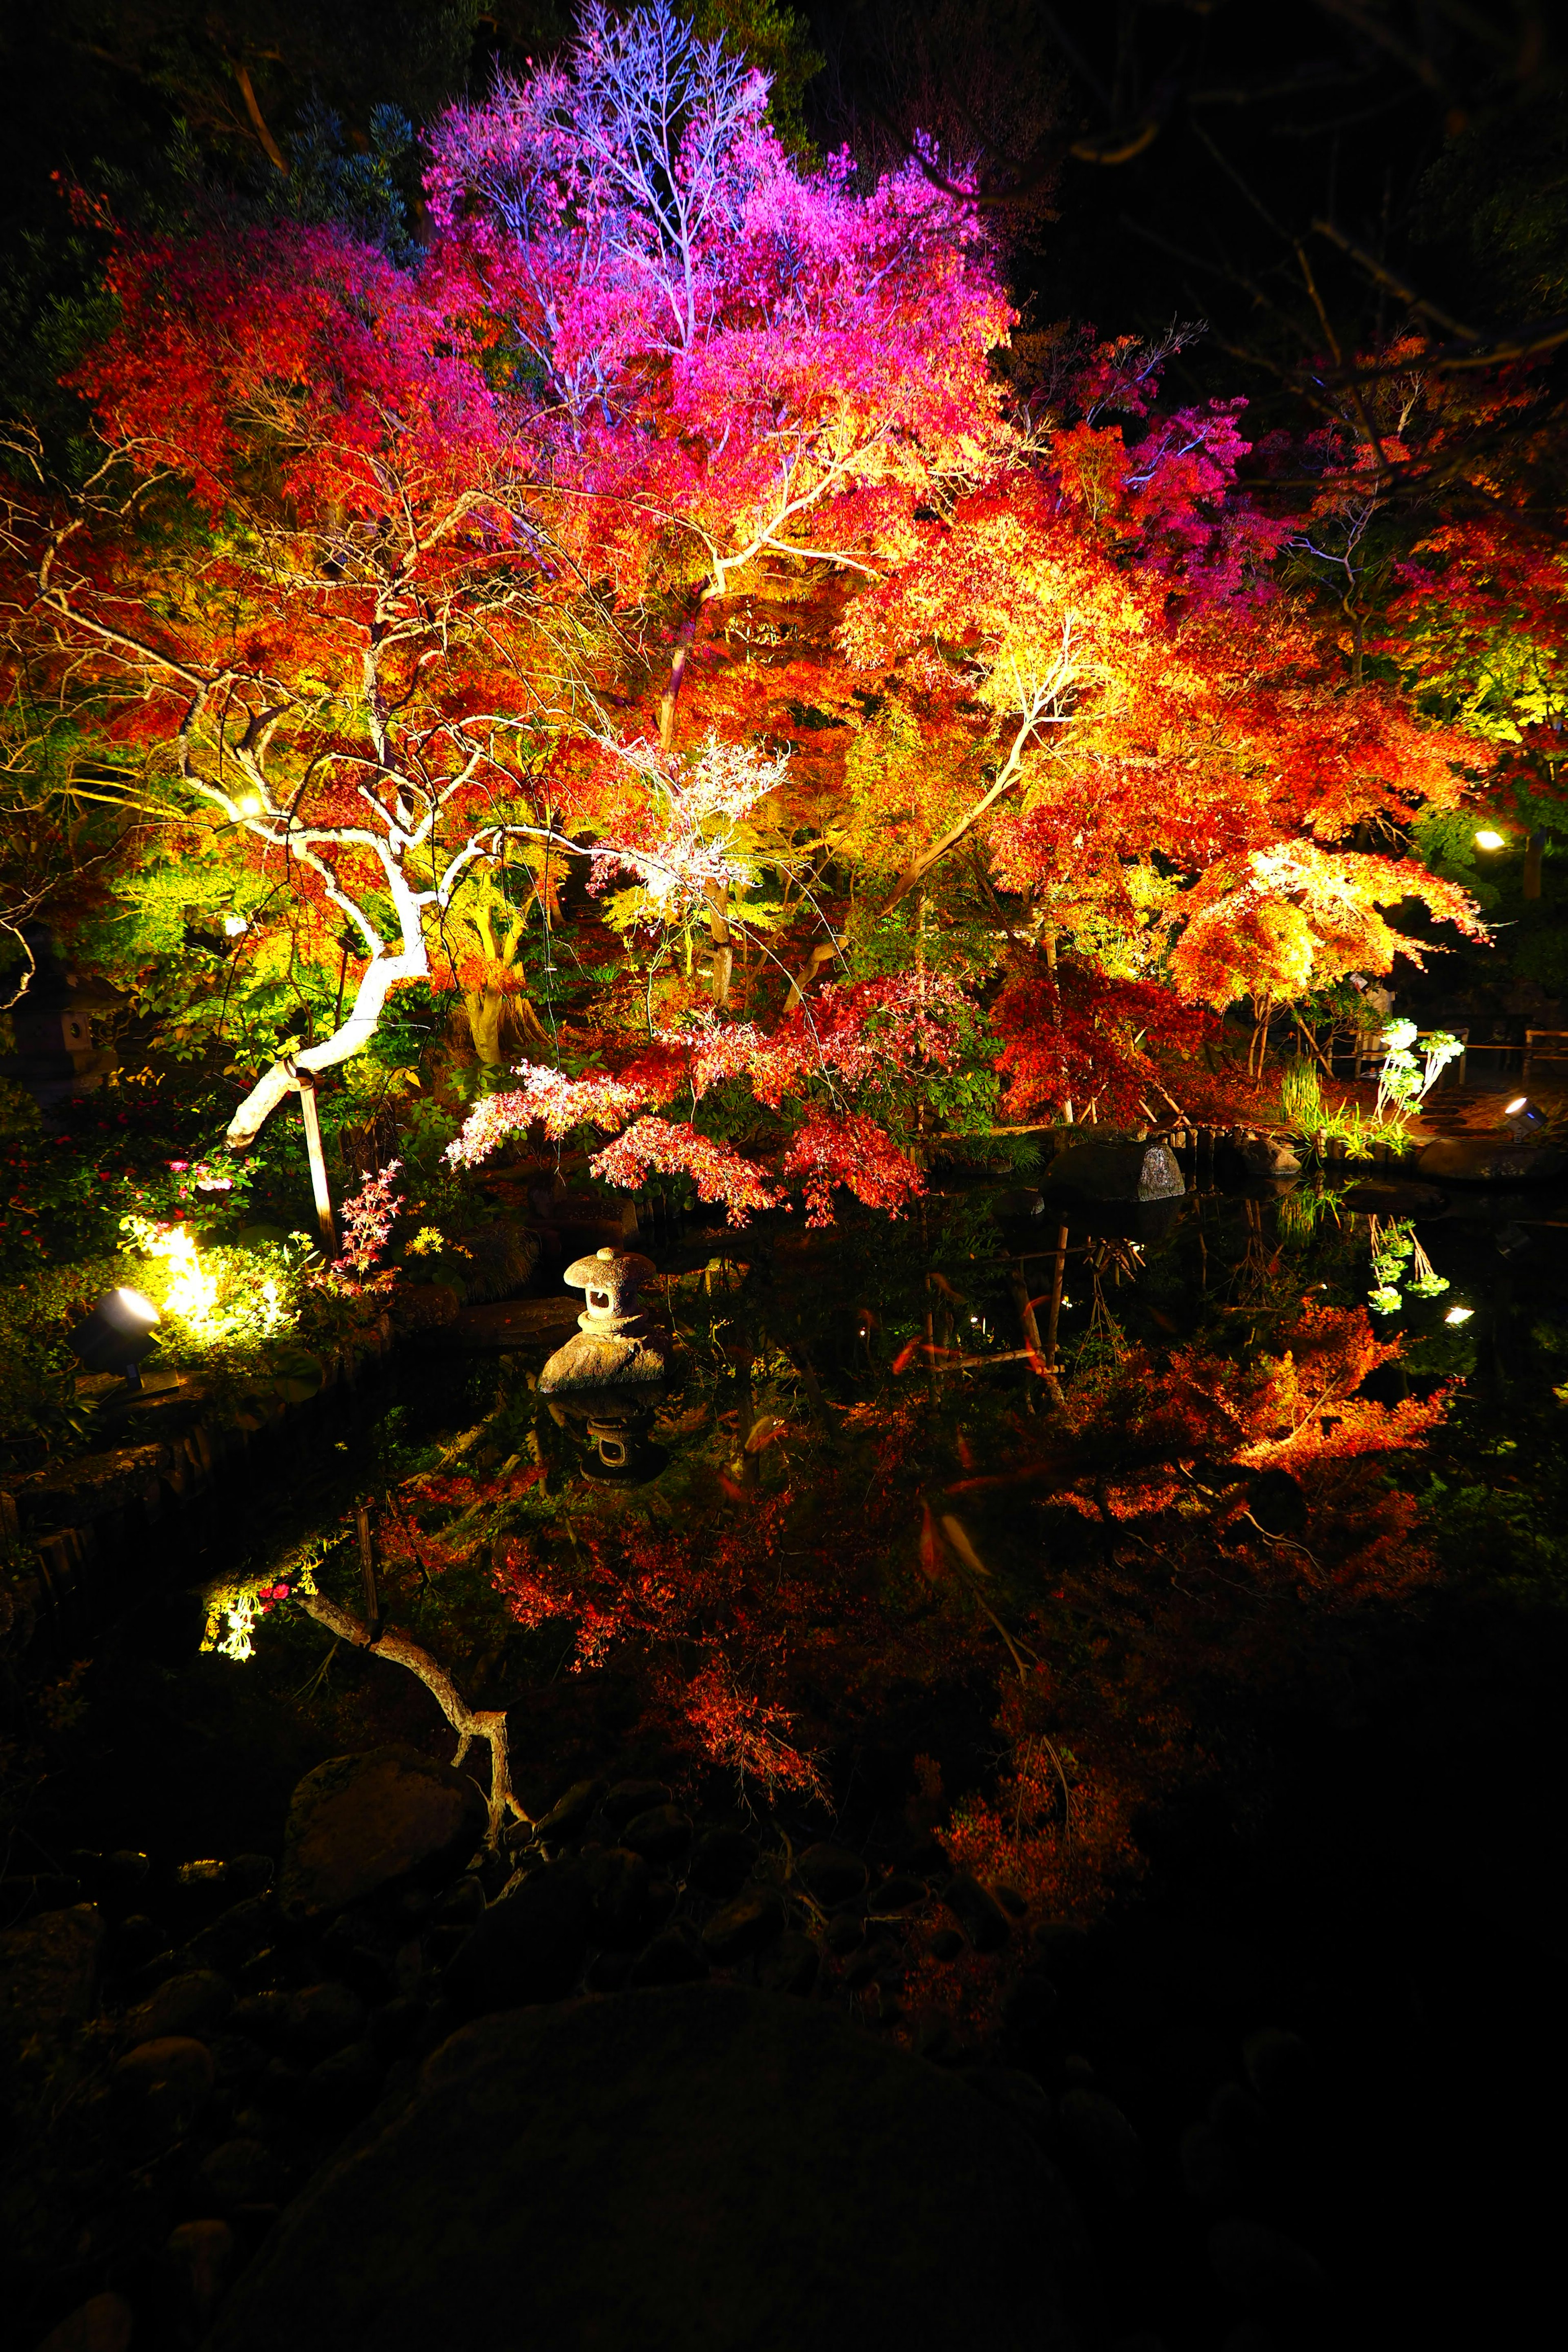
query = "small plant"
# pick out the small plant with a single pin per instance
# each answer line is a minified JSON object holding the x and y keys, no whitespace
{"x":1393,"y":1244}
{"x":1411,"y":1065}
{"x":1301,"y":1097}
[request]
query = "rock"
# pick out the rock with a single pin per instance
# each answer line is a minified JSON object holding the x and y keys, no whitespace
{"x":181,"y":2004}
{"x":982,"y":1919}
{"x":160,"y":2088}
{"x":48,"y":1978}
{"x":199,"y":2258}
{"x":1020,"y":2095}
{"x":1210,"y":2173}
{"x":617,"y":1883}
{"x":1100,"y":1164}
{"x":845,"y":1934}
{"x":570,"y":1815}
{"x":1259,"y":2265}
{"x":1490,"y":1159}
{"x":318,"y":2019}
{"x":394,"y":2026}
{"x":527,"y":1948}
{"x":721,"y":1862}
{"x":249,"y":1873}
{"x":1236,"y":2114}
{"x":360,"y":1823}
{"x":260,"y":2015}
{"x":134,"y":1941}
{"x":236,"y":1935}
{"x":1031,"y":2003}
{"x":463,"y":1902}
{"x":946,"y":1945}
{"x":103,"y":2324}
{"x":1108,"y":2149}
{"x":1278,"y":2065}
{"x":832,"y":1873}
{"x":744,"y":1925}
{"x":659,"y":1834}
{"x":674,"y":1958}
{"x":628,"y":1798}
{"x":899,"y":1893}
{"x":346,"y":2084}
{"x":790,"y":1966}
{"x":239,"y":2172}
{"x":608,"y":1972}
{"x":761,"y":2162}
{"x":1265,"y":1155}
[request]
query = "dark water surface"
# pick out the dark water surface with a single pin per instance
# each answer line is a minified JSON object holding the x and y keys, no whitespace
{"x":1383,"y":1850}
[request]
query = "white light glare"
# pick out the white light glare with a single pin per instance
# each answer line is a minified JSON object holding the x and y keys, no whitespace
{"x":1488,"y":839}
{"x":235,"y":925}
{"x":1459,"y":1315}
{"x":134,"y":1303}
{"x":249,"y":804}
{"x":1510,"y":1109}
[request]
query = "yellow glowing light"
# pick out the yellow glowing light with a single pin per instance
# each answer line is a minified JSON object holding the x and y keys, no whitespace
{"x":1488,"y":839}
{"x":235,"y":925}
{"x":194,"y":1291}
{"x":249,"y":804}
{"x":1512,"y":1108}
{"x":1459,"y":1315}
{"x":134,"y":1304}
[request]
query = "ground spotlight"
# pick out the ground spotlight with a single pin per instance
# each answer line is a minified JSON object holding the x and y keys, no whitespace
{"x":116,"y":1336}
{"x":235,"y":926}
{"x":1459,"y":1315}
{"x":1523,"y":1118}
{"x":1489,"y":839}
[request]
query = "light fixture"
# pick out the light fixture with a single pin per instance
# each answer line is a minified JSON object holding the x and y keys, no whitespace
{"x":1521,"y":1118}
{"x":117,"y":1335}
{"x":1459,"y":1315}
{"x":249,"y":804}
{"x":235,"y":926}
{"x":1489,"y":839}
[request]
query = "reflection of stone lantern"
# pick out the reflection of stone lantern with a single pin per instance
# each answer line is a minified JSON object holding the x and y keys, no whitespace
{"x":610,"y":1377}
{"x":51,"y":1023}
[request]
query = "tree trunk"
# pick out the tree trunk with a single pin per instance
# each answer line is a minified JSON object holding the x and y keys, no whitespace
{"x":1534,"y":842}
{"x":490,"y":1725}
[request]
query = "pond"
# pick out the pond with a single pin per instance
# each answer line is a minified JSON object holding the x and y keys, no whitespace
{"x":1126,"y":1669}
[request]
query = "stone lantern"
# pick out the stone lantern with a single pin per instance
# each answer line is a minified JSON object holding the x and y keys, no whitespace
{"x":610,"y":1377}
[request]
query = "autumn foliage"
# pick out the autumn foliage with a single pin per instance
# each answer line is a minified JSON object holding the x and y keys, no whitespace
{"x":669,"y":522}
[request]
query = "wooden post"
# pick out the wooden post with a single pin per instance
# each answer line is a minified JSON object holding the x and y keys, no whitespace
{"x":306,"y":1083}
{"x":1053,"y":1316}
{"x":367,"y":1562}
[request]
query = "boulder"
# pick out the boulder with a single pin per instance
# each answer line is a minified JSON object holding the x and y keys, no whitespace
{"x":570,"y":1815}
{"x":48,"y":1978}
{"x":104,"y":2323}
{"x":832,"y":1873}
{"x":659,"y":1834}
{"x":676,"y":1956}
{"x":618,"y":1882}
{"x":753,"y":1919}
{"x":359,"y":1823}
{"x":721,"y":1862}
{"x":160,"y":2088}
{"x":319,"y":2018}
{"x":1265,"y":1155}
{"x":1108,"y":2152}
{"x":700,"y":2169}
{"x":1262,"y":2266}
{"x":184,"y":2004}
{"x":528,"y":1946}
{"x":1490,"y":1159}
{"x":1101,"y":1164}
{"x":240,"y":2172}
{"x":198,"y":2261}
